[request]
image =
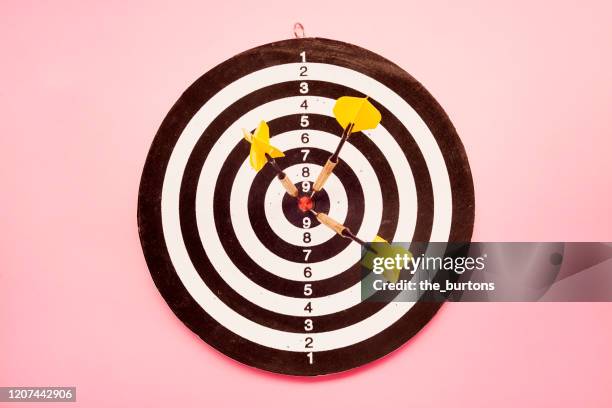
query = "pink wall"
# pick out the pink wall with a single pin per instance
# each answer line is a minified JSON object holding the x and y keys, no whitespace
{"x":84,"y":88}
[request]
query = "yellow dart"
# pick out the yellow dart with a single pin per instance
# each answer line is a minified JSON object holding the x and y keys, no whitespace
{"x":381,"y":247}
{"x":385,"y":250}
{"x":263,"y":152}
{"x":260,"y":146}
{"x":354,"y":115}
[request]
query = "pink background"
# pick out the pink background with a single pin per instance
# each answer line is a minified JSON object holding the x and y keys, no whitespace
{"x":84,"y":88}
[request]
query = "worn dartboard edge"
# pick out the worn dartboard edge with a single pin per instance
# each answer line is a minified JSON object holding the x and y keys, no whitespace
{"x":149,"y":202}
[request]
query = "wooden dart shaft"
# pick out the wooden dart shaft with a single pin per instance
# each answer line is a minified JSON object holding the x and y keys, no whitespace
{"x":332,"y":161}
{"x":331,"y":223}
{"x":285,"y":181}
{"x":324,"y":175}
{"x":291,"y":189}
{"x":340,"y":229}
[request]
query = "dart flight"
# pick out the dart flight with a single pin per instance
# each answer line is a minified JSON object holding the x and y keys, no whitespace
{"x":263,"y":152}
{"x":356,"y":111}
{"x":261,"y":148}
{"x":385,"y":250}
{"x":354,"y":115}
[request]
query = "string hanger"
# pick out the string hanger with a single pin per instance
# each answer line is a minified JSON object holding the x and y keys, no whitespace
{"x":298,"y":30}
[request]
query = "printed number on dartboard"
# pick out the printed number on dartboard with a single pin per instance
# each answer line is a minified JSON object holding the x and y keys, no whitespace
{"x":306,"y":189}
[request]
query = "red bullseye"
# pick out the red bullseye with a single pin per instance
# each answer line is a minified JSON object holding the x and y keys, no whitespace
{"x":305,"y":203}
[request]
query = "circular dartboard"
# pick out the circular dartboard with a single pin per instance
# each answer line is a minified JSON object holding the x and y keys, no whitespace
{"x":249,"y":267}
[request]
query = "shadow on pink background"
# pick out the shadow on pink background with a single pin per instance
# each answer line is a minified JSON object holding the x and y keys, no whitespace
{"x":84,"y":88}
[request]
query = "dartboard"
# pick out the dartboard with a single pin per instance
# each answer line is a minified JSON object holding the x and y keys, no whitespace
{"x":240,"y":246}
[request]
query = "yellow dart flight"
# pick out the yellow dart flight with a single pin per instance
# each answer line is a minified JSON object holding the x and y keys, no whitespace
{"x":385,"y":251}
{"x":260,"y":146}
{"x":358,"y":111}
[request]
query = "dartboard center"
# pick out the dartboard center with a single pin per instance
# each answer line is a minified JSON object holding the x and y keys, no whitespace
{"x":305,"y":203}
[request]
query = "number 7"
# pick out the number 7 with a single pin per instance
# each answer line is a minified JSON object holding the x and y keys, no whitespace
{"x":307,"y":252}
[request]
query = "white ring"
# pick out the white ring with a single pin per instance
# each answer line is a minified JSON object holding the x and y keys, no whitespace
{"x":251,"y":244}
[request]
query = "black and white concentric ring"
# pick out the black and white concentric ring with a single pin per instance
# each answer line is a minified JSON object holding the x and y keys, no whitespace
{"x":231,"y":273}
{"x":206,"y":223}
{"x":248,"y":320}
{"x":369,"y":148}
